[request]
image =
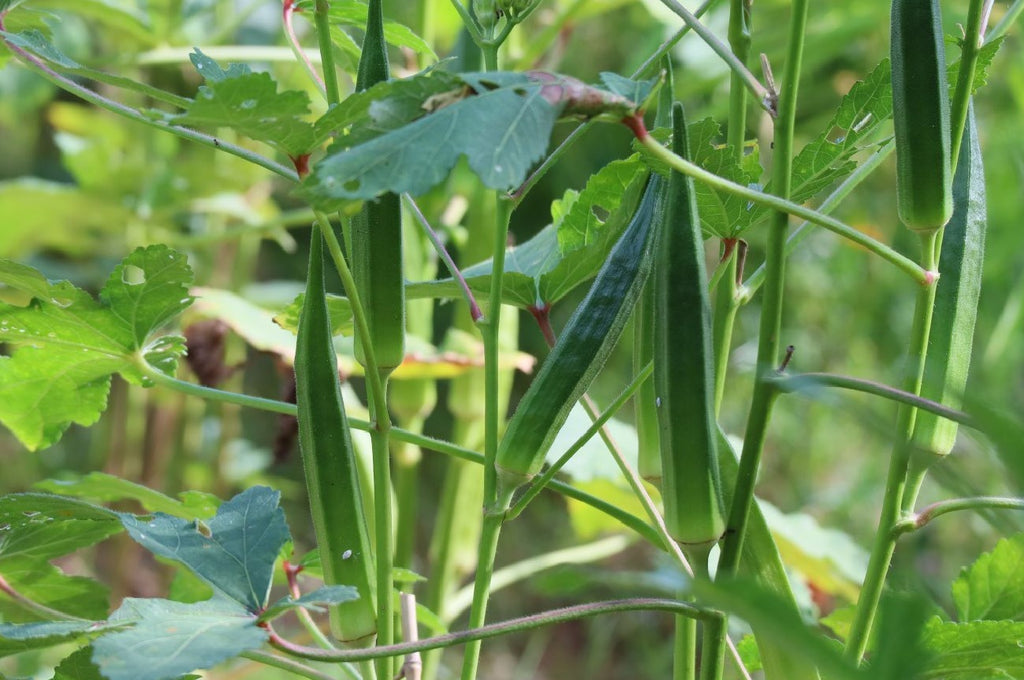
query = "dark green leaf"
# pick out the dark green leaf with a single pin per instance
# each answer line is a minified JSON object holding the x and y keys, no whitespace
{"x":993,"y":587}
{"x":171,"y":638}
{"x":980,"y":650}
{"x":634,"y":90}
{"x":900,"y":653}
{"x":234,"y":551}
{"x":78,"y":666}
{"x":19,"y":637}
{"x":322,"y":596}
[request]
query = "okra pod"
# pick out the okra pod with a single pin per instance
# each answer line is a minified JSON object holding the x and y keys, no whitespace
{"x":328,"y":459}
{"x":684,"y":371}
{"x":956,"y":298}
{"x":920,"y":98}
{"x":377,"y":231}
{"x":582,"y":349}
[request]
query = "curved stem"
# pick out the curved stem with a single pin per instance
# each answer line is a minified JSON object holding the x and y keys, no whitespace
{"x":287,"y":18}
{"x":1009,"y":18}
{"x":126,"y":111}
{"x":496,"y":629}
{"x":941,"y":508}
{"x":285,"y":664}
{"x":783,"y":205}
{"x":31,"y":605}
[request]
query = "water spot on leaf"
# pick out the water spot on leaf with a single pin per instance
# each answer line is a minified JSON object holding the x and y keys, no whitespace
{"x":132,"y":275}
{"x":63,"y":303}
{"x":248,"y":104}
{"x":352,"y":185}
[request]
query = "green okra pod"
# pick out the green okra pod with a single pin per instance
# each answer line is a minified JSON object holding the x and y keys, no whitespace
{"x":377,"y":231}
{"x":582,"y":349}
{"x":328,"y":459}
{"x":684,"y":370}
{"x":920,"y":98}
{"x":956,"y":298}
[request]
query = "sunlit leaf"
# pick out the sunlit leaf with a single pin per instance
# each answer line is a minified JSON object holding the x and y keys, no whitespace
{"x":980,"y":650}
{"x":993,"y":587}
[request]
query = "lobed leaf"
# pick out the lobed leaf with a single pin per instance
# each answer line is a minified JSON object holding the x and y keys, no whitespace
{"x":78,"y":666}
{"x":979,"y":650}
{"x":103,"y":487}
{"x":21,"y":637}
{"x":321,"y":596}
{"x":993,"y":587}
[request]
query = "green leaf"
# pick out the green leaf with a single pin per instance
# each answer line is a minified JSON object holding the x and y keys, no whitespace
{"x":980,"y":650}
{"x":41,"y":542}
{"x":21,"y":277}
{"x":338,"y":308}
{"x":322,"y":596}
{"x":78,"y":666}
{"x":38,"y":215}
{"x":634,"y":90}
{"x":35,"y":42}
{"x":171,"y":638}
{"x":250,"y":104}
{"x":351,"y":13}
{"x":20,"y":637}
{"x":102,"y":487}
{"x":45,"y":584}
{"x":25,"y":509}
{"x":502,"y":132}
{"x":564,"y":254}
{"x":67,"y":345}
{"x":900,"y":653}
{"x":234,"y":551}
{"x":993,"y":587}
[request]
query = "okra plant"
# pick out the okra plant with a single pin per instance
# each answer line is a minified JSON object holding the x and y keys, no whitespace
{"x":660,"y":324}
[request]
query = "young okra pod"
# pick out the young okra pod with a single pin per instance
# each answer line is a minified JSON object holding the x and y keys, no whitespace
{"x":377,"y":231}
{"x":582,"y":349}
{"x":956,"y":298}
{"x":920,"y":99}
{"x":684,"y":368}
{"x":328,"y":459}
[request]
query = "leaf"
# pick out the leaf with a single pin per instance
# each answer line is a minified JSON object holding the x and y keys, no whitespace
{"x":338,"y":309}
{"x":171,"y":638}
{"x":68,"y":345}
{"x":35,"y":42}
{"x":45,"y":584}
{"x":39,"y":215}
{"x":980,"y":650}
{"x":565,"y":254}
{"x":78,"y":666}
{"x":250,"y":104}
{"x":234,"y":551}
{"x":41,"y":542}
{"x":20,"y":637}
{"x":321,"y":596}
{"x":102,"y":487}
{"x":349,"y":13}
{"x":900,"y":653}
{"x":993,"y":587}
{"x":637,"y":91}
{"x":25,"y":509}
{"x":502,"y":132}
{"x":21,"y":277}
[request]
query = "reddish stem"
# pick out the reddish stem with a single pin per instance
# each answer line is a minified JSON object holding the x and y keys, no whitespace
{"x":301,"y":163}
{"x":287,"y":13}
{"x":542,"y":315}
{"x":635,"y":123}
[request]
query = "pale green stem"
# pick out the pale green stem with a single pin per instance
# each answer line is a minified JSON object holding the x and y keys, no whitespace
{"x":273,"y":54}
{"x":288,"y":16}
{"x":1009,"y":18}
{"x":974,"y":37}
{"x":940,"y":508}
{"x":285,"y":664}
{"x":323,"y":37}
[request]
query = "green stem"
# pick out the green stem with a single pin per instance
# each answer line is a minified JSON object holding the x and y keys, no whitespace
{"x":896,"y":481}
{"x":940,"y":508}
{"x":756,"y":280}
{"x":287,"y":18}
{"x":285,"y":664}
{"x":765,"y":99}
{"x":903,"y":263}
{"x":31,"y":605}
{"x":468,"y":21}
{"x":496,"y":629}
{"x":724,"y":319}
{"x":481,"y":586}
{"x":292,"y":218}
{"x":974,"y":36}
{"x":769,"y":331}
{"x":322,"y":21}
{"x":684,"y":656}
{"x":489,"y":327}
{"x":804,"y":382}
{"x":130,"y":113}
{"x":1009,"y":18}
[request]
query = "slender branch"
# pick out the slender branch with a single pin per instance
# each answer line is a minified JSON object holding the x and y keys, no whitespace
{"x":930,"y":512}
{"x":293,"y":218}
{"x":125,"y":111}
{"x":1009,"y":18}
{"x":442,"y":252}
{"x":974,"y":37}
{"x":805,"y":382}
{"x":35,"y":607}
{"x":323,"y":37}
{"x":273,"y":54}
{"x":764,"y":97}
{"x":285,"y":664}
{"x":287,"y":18}
{"x":291,"y":572}
{"x":684,"y":166}
{"x":497,"y":629}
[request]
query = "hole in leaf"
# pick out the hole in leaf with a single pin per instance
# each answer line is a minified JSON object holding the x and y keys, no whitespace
{"x":132,"y":275}
{"x":600,"y":213}
{"x":352,"y":185}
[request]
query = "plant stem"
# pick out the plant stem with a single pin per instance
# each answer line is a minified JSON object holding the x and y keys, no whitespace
{"x":323,"y":38}
{"x":804,"y":382}
{"x":974,"y":36}
{"x":940,"y":508}
{"x":125,"y":111}
{"x":736,"y":65}
{"x":481,"y":585}
{"x":896,"y":481}
{"x":287,"y":18}
{"x":285,"y":664}
{"x":1011,"y":16}
{"x":496,"y":629}
{"x":769,"y":331}
{"x":903,"y":263}
{"x":31,"y":605}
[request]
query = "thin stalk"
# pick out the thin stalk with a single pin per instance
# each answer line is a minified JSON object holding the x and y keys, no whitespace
{"x":130,"y":113}
{"x":287,"y":18}
{"x":903,"y":263}
{"x":481,"y":586}
{"x":724,"y":319}
{"x":896,"y":482}
{"x":273,"y":54}
{"x":489,"y":327}
{"x":684,"y":648}
{"x":323,"y":37}
{"x":380,"y":429}
{"x":769,"y":331}
{"x":756,"y":280}
{"x":735,"y":64}
{"x":292,"y":218}
{"x":599,"y":422}
{"x":31,"y":605}
{"x":497,"y":629}
{"x":285,"y":664}
{"x":940,"y":508}
{"x":468,"y":21}
{"x":974,"y":37}
{"x":1009,"y":18}
{"x":804,"y":381}
{"x":291,"y":573}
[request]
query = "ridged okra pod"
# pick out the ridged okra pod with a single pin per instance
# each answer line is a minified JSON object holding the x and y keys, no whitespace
{"x":377,"y":231}
{"x":328,"y":459}
{"x":920,"y":99}
{"x":581,"y":350}
{"x":684,"y":370}
{"x":956,"y":299}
